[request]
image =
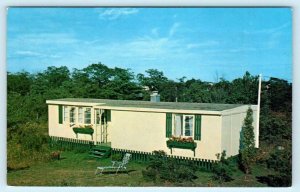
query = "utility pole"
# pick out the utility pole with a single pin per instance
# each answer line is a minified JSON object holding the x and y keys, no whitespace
{"x":258,"y":111}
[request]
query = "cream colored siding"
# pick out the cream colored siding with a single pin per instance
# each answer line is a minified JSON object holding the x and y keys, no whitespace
{"x":138,"y":131}
{"x":226,"y":134}
{"x":210,"y":143}
{"x":62,"y":130}
{"x":232,"y":122}
{"x":236,"y":127}
{"x":146,"y":131}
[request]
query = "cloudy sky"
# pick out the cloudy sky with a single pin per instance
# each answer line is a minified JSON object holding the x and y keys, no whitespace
{"x":200,"y":43}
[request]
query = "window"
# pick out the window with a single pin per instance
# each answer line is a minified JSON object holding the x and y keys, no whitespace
{"x":87,"y":116}
{"x":80,"y":115}
{"x":183,"y":125}
{"x":72,"y":115}
{"x":188,"y":125}
{"x":178,"y":126}
{"x":97,"y":118}
{"x":66,"y":113}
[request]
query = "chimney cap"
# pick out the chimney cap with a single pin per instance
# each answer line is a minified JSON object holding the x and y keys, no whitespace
{"x":154,"y":93}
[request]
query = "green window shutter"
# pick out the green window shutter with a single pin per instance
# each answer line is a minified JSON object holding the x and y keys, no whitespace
{"x":169,"y":125}
{"x":197,"y":135}
{"x":60,"y":114}
{"x":108,"y":114}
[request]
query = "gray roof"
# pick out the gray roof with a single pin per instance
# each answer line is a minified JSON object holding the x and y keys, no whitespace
{"x":154,"y":105}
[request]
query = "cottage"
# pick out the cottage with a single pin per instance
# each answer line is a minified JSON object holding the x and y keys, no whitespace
{"x":145,"y":126}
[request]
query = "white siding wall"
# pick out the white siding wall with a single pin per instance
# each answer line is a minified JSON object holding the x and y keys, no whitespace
{"x":62,"y":130}
{"x":146,"y":131}
{"x":232,"y":123}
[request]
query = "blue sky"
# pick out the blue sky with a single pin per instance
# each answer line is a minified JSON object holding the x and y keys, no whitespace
{"x":200,"y":43}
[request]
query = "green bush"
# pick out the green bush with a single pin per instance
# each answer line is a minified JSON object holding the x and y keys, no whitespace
{"x":222,"y":171}
{"x":27,"y":145}
{"x":116,"y":157}
{"x":168,"y":169}
{"x":149,"y":174}
{"x":281,"y":162}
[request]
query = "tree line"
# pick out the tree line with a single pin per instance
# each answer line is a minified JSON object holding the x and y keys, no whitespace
{"x":28,"y":92}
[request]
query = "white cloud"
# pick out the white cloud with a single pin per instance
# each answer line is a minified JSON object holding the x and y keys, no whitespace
{"x":28,"y":53}
{"x":43,"y":39}
{"x":269,"y":30}
{"x":202,"y":44}
{"x":115,"y":13}
{"x":174,"y":29}
{"x":34,"y":54}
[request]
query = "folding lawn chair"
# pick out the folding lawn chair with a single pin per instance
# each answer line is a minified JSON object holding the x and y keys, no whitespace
{"x":116,"y":165}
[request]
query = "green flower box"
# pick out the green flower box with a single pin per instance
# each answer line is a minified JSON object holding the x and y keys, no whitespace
{"x":88,"y":131}
{"x":181,"y":145}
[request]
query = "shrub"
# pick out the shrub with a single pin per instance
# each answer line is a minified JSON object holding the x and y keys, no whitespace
{"x":116,"y":157}
{"x":222,"y":171}
{"x":281,"y":162}
{"x":55,"y":155}
{"x":168,"y":169}
{"x":27,"y":144}
{"x":149,"y":175}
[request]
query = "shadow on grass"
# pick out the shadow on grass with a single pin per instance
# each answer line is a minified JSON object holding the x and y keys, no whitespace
{"x":114,"y":172}
{"x":10,"y":169}
{"x":274,"y":181}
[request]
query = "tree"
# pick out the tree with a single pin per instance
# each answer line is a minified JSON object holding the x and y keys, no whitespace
{"x":154,"y":80}
{"x":19,"y":83}
{"x":122,"y":85}
{"x":244,"y":90}
{"x":247,"y":148}
{"x":280,"y":94}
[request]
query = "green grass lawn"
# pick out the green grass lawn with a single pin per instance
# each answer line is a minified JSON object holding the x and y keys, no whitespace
{"x":78,"y":169}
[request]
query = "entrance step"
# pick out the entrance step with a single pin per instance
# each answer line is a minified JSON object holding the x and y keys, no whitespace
{"x":100,"y":151}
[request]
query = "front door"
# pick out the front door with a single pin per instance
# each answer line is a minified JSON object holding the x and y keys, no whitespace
{"x":97,"y":118}
{"x":101,"y":126}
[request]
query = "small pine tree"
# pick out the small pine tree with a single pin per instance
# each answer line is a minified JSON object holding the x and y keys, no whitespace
{"x":247,"y":148}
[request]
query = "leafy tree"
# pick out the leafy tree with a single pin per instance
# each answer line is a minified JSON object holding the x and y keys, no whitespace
{"x":122,"y":85}
{"x":247,"y":149}
{"x":99,"y":74}
{"x":244,"y":90}
{"x":196,"y":91}
{"x":154,"y":79}
{"x":19,"y":83}
{"x":280,"y":94}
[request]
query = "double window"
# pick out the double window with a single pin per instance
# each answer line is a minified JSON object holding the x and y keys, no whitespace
{"x":183,"y":125}
{"x":75,"y":114}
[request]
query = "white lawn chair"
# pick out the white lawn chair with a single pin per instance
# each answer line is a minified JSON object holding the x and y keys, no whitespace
{"x":116,"y":165}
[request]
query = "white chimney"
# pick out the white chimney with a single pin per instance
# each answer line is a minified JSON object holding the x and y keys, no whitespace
{"x":155,"y":97}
